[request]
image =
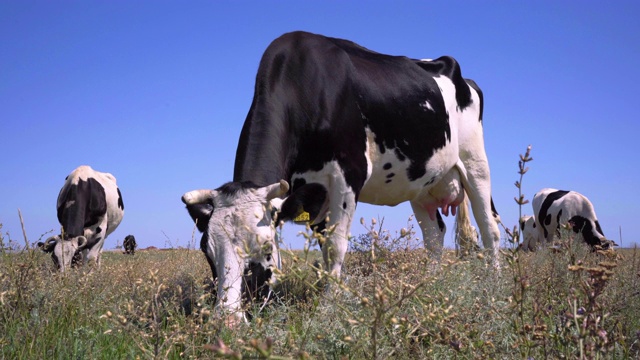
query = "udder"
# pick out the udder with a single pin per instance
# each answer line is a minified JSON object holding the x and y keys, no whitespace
{"x":446,"y":194}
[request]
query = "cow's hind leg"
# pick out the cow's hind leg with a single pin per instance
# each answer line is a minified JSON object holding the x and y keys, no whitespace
{"x":477,"y":184}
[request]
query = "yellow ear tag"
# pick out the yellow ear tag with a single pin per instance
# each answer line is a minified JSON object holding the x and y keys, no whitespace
{"x":302,"y":217}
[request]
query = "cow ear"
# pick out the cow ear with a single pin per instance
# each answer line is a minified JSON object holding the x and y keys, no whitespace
{"x":276,"y":190}
{"x":82,"y":242}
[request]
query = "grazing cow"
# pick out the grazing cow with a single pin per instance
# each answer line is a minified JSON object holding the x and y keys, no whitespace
{"x":90,"y":208}
{"x":529,"y":233}
{"x":553,"y":208}
{"x":129,"y":244}
{"x":343,"y":124}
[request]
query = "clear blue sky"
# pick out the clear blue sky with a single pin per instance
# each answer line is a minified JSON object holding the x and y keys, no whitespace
{"x":156,"y":92}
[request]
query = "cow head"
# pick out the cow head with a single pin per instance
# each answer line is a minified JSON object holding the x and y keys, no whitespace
{"x":591,"y":232}
{"x":239,"y":234}
{"x":66,"y":253}
{"x":529,"y":235}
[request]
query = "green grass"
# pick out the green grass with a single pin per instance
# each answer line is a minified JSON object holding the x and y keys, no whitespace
{"x":391,"y":304}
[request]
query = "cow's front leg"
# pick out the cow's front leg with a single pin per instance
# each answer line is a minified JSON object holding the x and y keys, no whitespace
{"x":341,"y":209}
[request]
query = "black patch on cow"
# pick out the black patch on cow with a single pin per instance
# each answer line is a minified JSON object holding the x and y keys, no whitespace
{"x":390,"y":175}
{"x":493,"y":208}
{"x":98,"y":230}
{"x":344,"y":205}
{"x":204,"y":241}
{"x":255,"y":287}
{"x":307,"y":197}
{"x":584,"y":226}
{"x":386,"y":166}
{"x":233,"y":187}
{"x":448,"y":66}
{"x":120,"y":201}
{"x":480,"y":95}
{"x":441,"y":224}
{"x":56,"y":261}
{"x":558,"y":217}
{"x":314,"y":96}
{"x":76,"y":260}
{"x":200,"y":214}
{"x":544,"y":209}
{"x":81,"y":205}
{"x":387,"y":181}
{"x":598,"y":228}
{"x":297,"y":183}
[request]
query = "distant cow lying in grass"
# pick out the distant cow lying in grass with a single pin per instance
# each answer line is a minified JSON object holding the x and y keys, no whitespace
{"x":553,"y":208}
{"x":129,"y":245}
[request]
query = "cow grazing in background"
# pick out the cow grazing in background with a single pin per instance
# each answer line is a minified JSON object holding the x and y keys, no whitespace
{"x":553,"y":208}
{"x":343,"y":124}
{"x":129,"y":245}
{"x":529,"y":234}
{"x":90,"y":208}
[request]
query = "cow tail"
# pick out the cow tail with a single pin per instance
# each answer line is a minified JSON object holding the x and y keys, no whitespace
{"x":466,"y":237}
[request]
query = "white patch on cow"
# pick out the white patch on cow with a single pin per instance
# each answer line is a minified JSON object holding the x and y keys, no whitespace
{"x":426,"y":105}
{"x":378,"y":190}
{"x":448,"y":90}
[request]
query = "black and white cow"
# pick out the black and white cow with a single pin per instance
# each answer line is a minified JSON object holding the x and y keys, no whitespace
{"x":343,"y":124}
{"x":553,"y":208}
{"x":90,"y":208}
{"x":129,"y":244}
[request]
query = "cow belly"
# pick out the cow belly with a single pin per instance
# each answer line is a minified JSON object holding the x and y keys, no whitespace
{"x":389,"y":183}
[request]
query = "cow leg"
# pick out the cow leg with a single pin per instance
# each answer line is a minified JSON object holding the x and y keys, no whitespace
{"x":342,"y":206}
{"x":477,"y":184}
{"x":432,"y":230}
{"x":335,"y":247}
{"x":95,"y":235}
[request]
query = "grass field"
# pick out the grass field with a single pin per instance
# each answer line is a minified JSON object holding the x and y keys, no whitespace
{"x":393,"y":302}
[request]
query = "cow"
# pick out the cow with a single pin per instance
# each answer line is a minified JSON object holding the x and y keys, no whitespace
{"x":553,"y":208}
{"x":529,"y":233}
{"x":332,"y":123}
{"x":129,"y":245}
{"x":89,"y":207}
